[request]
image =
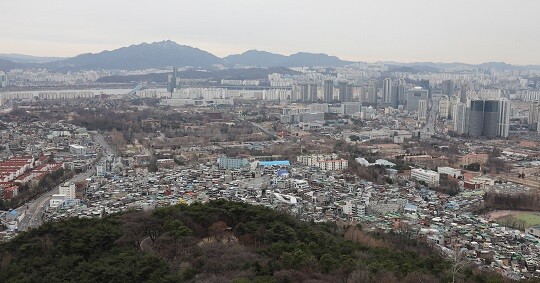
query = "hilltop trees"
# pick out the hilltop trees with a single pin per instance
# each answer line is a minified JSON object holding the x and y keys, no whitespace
{"x":219,"y":241}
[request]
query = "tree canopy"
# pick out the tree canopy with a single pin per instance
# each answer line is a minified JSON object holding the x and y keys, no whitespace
{"x":219,"y":242}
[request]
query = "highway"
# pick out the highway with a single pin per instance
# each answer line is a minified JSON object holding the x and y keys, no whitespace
{"x":35,"y":209}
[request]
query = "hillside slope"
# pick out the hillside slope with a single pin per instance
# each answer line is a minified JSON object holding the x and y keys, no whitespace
{"x":218,"y":242}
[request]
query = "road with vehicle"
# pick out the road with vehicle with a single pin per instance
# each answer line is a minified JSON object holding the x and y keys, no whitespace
{"x":35,"y":209}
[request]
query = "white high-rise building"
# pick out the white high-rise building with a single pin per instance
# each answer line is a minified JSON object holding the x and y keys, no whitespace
{"x":460,"y":118}
{"x":422,"y":109}
{"x":534,"y":117}
{"x":387,"y":90}
{"x":444,"y":107}
{"x":454,"y":100}
{"x":504,"y":118}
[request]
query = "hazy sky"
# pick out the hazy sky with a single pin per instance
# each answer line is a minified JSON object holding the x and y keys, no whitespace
{"x":471,"y":31}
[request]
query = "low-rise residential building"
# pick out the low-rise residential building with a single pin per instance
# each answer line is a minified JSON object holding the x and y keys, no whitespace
{"x":310,"y":160}
{"x":430,"y":177}
{"x":77,"y":149}
{"x":57,"y":200}
{"x":534,"y":230}
{"x":232,"y":163}
{"x":327,"y":162}
{"x":480,"y":158}
{"x":332,"y":165}
{"x":456,"y":173}
{"x":67,"y":189}
{"x":417,"y":158}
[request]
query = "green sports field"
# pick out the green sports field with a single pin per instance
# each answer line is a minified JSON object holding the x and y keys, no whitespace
{"x":530,"y":218}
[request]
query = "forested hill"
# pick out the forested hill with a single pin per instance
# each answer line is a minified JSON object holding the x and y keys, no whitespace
{"x":218,"y":242}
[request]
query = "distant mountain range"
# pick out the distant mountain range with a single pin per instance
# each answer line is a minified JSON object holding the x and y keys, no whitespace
{"x":258,"y":58}
{"x":19,"y":58}
{"x":418,"y":67}
{"x":168,"y":53}
{"x":143,"y":56}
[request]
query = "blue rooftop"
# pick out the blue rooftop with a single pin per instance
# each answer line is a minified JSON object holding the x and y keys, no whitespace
{"x":275,"y":163}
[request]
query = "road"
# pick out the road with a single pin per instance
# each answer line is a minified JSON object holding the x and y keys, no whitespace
{"x":264,"y":130}
{"x":35,"y":209}
{"x":146,"y":246}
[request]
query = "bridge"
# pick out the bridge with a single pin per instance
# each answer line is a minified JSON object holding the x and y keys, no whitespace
{"x":132,"y":94}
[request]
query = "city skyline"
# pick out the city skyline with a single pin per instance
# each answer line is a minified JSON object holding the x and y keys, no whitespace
{"x":416,"y":31}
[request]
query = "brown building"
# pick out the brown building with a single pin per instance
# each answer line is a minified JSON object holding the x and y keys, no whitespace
{"x":480,"y":158}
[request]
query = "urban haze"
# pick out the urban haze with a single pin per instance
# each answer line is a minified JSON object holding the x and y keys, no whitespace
{"x":270,"y":141}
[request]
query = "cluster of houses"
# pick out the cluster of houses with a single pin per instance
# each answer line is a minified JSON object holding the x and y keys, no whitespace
{"x":23,"y":170}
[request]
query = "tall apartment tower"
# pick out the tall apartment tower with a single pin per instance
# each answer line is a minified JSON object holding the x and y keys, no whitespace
{"x":461,"y":115}
{"x":313,"y":92}
{"x":328,"y":90}
{"x":372,"y":93}
{"x":463,"y":93}
{"x":534,"y":117}
{"x":422,"y":109}
{"x":303,"y":92}
{"x":504,"y":118}
{"x":489,"y":118}
{"x":476,"y":118}
{"x":401,"y":94}
{"x":387,"y":90}
{"x":413,"y":96}
{"x":448,"y":88}
{"x":394,"y":98}
{"x":444,"y":108}
{"x":172,"y":80}
{"x":345,"y":92}
{"x":425,"y":85}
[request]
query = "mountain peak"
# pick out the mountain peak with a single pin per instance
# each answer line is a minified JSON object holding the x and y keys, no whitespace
{"x":161,"y":54}
{"x":165,"y":43}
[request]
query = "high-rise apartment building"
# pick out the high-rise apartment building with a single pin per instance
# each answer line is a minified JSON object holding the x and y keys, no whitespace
{"x":173,"y":80}
{"x":444,"y":107}
{"x":422,"y":109}
{"x":345,"y":92}
{"x":534,"y":117}
{"x":387,"y":90}
{"x":313,"y":92}
{"x":401,"y":93}
{"x":328,"y":90}
{"x":448,"y":88}
{"x":302,"y":92}
{"x":463,"y":93}
{"x":371,"y":94}
{"x":413,"y":96}
{"x":425,"y":85}
{"x":486,"y":118}
{"x":504,"y":118}
{"x":461,"y":118}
